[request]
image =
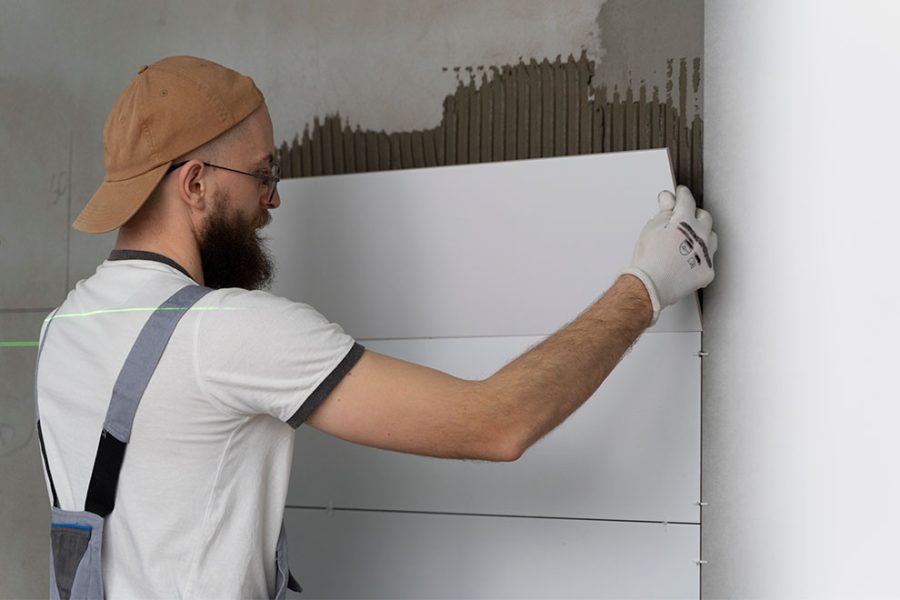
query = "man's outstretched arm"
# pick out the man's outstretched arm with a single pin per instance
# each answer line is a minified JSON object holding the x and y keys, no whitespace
{"x":393,"y":404}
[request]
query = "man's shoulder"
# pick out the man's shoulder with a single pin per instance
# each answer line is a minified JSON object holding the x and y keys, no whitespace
{"x":260,"y":306}
{"x":235,"y":297}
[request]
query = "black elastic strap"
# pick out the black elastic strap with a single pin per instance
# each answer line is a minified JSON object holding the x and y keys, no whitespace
{"x":127,"y":392}
{"x":47,"y":464}
{"x":101,"y":495}
{"x":292,"y":583}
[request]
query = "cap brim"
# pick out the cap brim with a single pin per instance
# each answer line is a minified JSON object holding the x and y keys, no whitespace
{"x":115,"y":202}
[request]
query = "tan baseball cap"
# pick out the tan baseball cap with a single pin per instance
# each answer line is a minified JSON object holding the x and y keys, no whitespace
{"x":171,"y":107}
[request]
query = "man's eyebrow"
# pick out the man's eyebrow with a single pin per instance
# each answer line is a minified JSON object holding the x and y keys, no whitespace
{"x":267,"y":160}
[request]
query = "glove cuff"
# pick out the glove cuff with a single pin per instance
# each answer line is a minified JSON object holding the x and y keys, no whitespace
{"x":651,"y":290}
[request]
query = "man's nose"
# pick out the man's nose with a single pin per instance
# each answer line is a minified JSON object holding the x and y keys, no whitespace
{"x":276,"y":200}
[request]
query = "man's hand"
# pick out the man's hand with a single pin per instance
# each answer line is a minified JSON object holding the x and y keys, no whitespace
{"x":673,"y":256}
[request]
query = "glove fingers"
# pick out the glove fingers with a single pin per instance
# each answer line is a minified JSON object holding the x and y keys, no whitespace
{"x":713,"y":244}
{"x":666,"y":200}
{"x":685,"y":205}
{"x":704,"y":221}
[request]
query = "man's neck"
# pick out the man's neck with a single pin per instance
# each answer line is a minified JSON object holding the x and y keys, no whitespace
{"x":187,"y":258}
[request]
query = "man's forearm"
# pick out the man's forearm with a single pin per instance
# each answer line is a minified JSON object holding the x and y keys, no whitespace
{"x":538,"y":390}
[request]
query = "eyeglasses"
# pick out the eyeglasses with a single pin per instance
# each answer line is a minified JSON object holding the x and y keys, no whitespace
{"x":267,"y":180}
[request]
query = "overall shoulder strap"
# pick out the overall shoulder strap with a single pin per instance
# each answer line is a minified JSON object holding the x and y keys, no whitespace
{"x":127,"y":393}
{"x":37,"y":410}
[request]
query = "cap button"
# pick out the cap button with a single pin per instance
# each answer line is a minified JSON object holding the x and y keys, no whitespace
{"x":142,"y":69}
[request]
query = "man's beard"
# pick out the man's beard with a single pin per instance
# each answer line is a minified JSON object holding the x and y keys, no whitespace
{"x":232,"y":254}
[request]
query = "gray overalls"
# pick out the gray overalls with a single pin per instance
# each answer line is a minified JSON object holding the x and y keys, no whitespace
{"x":76,"y":537}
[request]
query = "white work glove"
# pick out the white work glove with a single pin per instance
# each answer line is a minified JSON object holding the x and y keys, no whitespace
{"x":674,"y":253}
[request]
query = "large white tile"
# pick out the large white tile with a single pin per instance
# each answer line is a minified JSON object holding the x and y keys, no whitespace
{"x":509,"y":248}
{"x":349,"y":554}
{"x":632,"y":451}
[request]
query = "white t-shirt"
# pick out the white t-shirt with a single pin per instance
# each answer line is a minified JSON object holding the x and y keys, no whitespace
{"x":201,"y":494}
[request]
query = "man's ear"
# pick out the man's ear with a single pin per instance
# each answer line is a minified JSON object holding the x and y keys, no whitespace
{"x":192,"y":184}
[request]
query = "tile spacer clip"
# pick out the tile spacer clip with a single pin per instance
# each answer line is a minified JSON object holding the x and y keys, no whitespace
{"x":702,"y":354}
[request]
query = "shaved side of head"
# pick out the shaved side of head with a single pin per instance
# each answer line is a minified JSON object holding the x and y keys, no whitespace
{"x":214,"y":150}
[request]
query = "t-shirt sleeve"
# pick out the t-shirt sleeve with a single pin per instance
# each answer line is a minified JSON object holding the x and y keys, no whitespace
{"x":258,"y":353}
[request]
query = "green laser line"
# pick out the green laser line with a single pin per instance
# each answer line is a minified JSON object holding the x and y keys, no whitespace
{"x":112,"y":310}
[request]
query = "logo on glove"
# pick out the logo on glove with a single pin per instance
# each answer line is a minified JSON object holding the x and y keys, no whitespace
{"x":688,"y":245}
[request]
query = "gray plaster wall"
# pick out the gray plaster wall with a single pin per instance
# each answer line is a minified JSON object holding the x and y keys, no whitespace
{"x":383,"y":64}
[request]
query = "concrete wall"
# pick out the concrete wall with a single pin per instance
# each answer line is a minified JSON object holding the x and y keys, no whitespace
{"x":800,"y":388}
{"x":381,"y":64}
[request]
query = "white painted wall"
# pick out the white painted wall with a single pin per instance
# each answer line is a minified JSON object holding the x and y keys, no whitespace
{"x":801,"y":408}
